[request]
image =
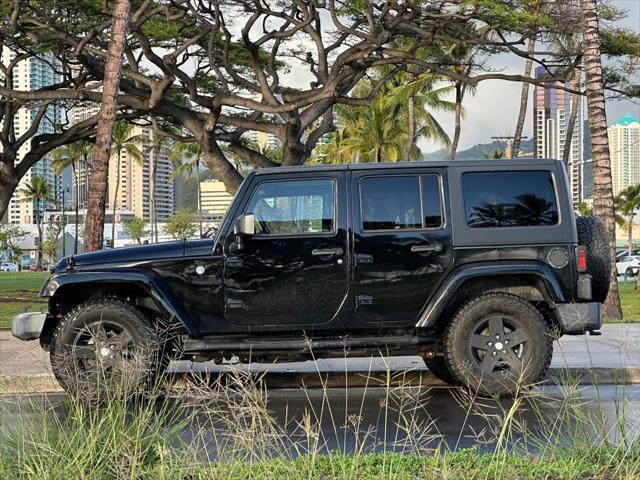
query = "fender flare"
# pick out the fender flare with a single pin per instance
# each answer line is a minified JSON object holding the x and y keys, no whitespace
{"x":149,"y":281}
{"x":454,"y":281}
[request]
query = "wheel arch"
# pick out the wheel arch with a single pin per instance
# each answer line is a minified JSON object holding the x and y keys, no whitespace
{"x":532,"y":281}
{"x":150,"y":293}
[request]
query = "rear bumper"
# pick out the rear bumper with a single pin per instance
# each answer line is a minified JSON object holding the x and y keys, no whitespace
{"x":577,"y":318}
{"x":28,"y":326}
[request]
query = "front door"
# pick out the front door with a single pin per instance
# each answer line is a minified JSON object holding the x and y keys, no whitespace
{"x":292,"y":275}
{"x":402,"y":244}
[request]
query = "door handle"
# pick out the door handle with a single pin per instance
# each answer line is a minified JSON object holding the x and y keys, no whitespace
{"x":426,"y":248}
{"x":322,"y":252}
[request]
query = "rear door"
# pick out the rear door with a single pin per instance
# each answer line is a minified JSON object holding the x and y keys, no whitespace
{"x":402,"y":243}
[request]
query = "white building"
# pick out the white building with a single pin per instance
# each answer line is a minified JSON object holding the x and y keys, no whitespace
{"x":624,"y":148}
{"x":551,"y":111}
{"x":32,"y":74}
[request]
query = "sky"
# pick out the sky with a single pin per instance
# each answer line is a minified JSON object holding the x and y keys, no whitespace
{"x":493,"y":110}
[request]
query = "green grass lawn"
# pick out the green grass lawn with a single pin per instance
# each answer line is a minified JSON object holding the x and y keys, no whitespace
{"x":19,"y":293}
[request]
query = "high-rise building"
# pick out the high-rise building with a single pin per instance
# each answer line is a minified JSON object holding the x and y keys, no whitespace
{"x":135,"y":181}
{"x":214,"y":198}
{"x":624,"y":149}
{"x":78,"y":114}
{"x":551,"y":111}
{"x":32,"y":74}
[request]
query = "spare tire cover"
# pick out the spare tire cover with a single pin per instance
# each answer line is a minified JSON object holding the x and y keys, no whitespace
{"x":592,"y":234}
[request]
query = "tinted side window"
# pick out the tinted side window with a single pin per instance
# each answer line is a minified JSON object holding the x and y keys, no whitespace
{"x":293,"y":207}
{"x":393,"y":202}
{"x":509,"y":199}
{"x":390,"y":203}
{"x":432,"y":208}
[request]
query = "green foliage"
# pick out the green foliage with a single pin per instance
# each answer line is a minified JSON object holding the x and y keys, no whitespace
{"x":182,"y":225}
{"x":38,"y":190}
{"x":135,"y":228}
{"x":49,"y":246}
{"x":10,"y":237}
{"x":493,"y":155}
{"x":584,"y":209}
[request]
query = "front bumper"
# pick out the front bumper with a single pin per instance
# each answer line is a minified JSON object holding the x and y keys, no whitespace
{"x":28,"y":326}
{"x":578,"y":318}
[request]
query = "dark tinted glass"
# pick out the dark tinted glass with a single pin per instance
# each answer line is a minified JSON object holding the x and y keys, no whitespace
{"x":431,"y":205}
{"x":293,"y":207}
{"x":509,"y":199}
{"x":390,"y":203}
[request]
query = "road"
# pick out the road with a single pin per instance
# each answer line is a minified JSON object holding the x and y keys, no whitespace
{"x":375,"y":419}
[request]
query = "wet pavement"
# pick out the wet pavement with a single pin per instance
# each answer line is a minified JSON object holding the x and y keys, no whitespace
{"x":297,"y":421}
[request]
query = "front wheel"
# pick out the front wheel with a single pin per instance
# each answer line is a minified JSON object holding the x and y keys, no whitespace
{"x":497,"y":344}
{"x":105,"y":348}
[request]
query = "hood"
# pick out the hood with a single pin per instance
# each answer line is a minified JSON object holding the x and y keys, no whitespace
{"x":126,"y":256}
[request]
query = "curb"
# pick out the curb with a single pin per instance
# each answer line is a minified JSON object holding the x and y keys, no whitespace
{"x":46,"y":382}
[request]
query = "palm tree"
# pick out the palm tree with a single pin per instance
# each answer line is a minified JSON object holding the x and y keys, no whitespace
{"x":495,"y":154}
{"x":333,"y":151}
{"x":188,"y":157}
{"x":603,"y":205}
{"x":627,"y":203}
{"x":524,"y":99}
{"x":123,"y":140}
{"x":73,"y":155}
{"x":38,"y":191}
{"x":110,"y":87}
{"x":377,"y":131}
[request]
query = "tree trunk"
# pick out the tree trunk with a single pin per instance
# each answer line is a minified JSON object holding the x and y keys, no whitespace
{"x":199,"y":196}
{"x":76,"y":176}
{"x":602,"y":185}
{"x":221,"y":168}
{"x":568,"y":137}
{"x":39,"y":226}
{"x":115,"y":200}
{"x":153,"y":168}
{"x":456,"y":129}
{"x":411,"y":128}
{"x":8,"y":185}
{"x":524,"y":100}
{"x":94,"y":224}
{"x":630,"y":234}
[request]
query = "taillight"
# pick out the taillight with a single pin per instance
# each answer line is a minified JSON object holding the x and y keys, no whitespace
{"x":581,"y":254}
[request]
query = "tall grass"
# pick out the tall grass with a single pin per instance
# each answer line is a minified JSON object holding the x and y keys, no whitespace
{"x":225,"y":427}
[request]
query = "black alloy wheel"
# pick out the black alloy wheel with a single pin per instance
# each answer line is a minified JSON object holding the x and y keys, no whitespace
{"x":105,"y":348}
{"x":497,"y":344}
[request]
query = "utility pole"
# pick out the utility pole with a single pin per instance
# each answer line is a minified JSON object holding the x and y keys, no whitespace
{"x":508,"y":140}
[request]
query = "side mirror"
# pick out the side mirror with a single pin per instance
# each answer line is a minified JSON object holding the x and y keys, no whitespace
{"x":243,"y":226}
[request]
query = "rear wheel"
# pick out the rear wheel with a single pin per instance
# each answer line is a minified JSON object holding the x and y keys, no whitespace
{"x":497,"y":344}
{"x":105,"y":348}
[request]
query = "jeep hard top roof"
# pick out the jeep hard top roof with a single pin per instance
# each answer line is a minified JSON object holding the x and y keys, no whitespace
{"x":496,"y":164}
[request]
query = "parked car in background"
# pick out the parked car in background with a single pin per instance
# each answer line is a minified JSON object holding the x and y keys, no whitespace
{"x":628,"y":265}
{"x":623,"y":253}
{"x":8,"y":267}
{"x":33,"y":267}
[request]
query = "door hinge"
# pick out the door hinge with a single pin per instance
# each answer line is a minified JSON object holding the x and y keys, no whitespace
{"x":364,"y":300}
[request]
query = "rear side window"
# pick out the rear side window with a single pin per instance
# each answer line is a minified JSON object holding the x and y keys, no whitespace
{"x":397,"y":202}
{"x":509,"y":199}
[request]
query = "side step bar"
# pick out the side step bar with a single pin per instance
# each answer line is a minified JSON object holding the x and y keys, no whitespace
{"x":299,"y":345}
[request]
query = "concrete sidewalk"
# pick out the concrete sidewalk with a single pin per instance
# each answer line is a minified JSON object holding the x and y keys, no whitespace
{"x":613,"y":357}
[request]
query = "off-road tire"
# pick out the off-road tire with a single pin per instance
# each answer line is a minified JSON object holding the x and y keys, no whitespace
{"x":525,"y":322}
{"x":592,"y":234}
{"x":146,"y":351}
{"x":439,"y":368}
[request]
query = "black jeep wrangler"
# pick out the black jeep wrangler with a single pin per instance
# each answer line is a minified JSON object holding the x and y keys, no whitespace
{"x":476,"y":266}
